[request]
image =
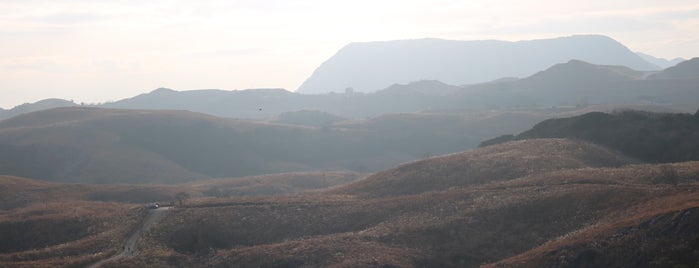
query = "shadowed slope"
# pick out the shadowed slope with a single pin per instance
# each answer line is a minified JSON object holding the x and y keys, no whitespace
{"x":652,"y":137}
{"x":95,"y":145}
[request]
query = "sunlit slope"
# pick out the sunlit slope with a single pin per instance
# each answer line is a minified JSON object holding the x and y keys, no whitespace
{"x":494,"y":163}
{"x":464,"y":226}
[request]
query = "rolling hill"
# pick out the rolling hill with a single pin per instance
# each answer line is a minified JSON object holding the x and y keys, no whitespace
{"x":37,"y":106}
{"x":521,"y":203}
{"x":49,"y":224}
{"x":45,"y":224}
{"x":464,"y":225}
{"x":484,"y":165}
{"x":93,"y":145}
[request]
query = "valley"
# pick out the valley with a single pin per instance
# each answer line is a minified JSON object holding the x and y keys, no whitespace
{"x":575,"y":162}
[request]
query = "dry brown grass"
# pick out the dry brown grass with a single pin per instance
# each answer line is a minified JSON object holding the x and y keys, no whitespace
{"x":271,"y":184}
{"x":658,"y":229}
{"x":462,"y":226}
{"x":65,"y":233}
{"x":555,"y":194}
{"x":44,"y":224}
{"x":493,"y":163}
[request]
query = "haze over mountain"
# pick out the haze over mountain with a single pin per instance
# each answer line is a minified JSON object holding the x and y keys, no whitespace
{"x":367,"y":67}
{"x":683,"y":70}
{"x":565,"y":84}
{"x":660,"y":62}
{"x":581,"y":83}
{"x":37,"y":106}
{"x":570,"y":83}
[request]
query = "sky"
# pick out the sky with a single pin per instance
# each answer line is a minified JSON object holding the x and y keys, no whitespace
{"x":105,"y":50}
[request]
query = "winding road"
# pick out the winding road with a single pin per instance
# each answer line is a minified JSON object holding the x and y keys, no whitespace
{"x":130,"y":247}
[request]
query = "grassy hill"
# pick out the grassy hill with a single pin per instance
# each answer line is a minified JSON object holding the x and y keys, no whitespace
{"x":45,"y":224}
{"x":556,"y":196}
{"x":93,"y":145}
{"x":461,"y":226}
{"x":49,"y":224}
{"x":484,"y":165}
{"x":549,"y":189}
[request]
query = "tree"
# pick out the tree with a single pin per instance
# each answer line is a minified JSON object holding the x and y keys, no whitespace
{"x":181,"y":197}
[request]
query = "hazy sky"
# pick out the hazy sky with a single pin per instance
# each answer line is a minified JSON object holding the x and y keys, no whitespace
{"x":102,"y":50}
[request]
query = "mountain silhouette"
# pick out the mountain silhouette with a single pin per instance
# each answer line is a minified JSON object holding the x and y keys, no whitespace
{"x":367,"y":67}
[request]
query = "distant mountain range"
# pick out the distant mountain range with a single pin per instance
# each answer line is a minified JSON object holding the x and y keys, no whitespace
{"x":581,"y":83}
{"x":660,"y":62}
{"x":573,"y":83}
{"x":371,"y":66}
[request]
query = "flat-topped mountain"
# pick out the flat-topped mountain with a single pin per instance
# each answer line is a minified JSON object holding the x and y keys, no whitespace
{"x":367,"y":67}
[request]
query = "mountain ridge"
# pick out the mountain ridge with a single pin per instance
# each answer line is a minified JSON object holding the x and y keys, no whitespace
{"x":377,"y":65}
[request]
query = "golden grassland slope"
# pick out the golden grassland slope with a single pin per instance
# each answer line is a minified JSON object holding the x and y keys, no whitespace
{"x":46,"y":224}
{"x":492,"y":163}
{"x":271,"y":184}
{"x":457,"y":226}
{"x":519,"y":203}
{"x":49,"y":224}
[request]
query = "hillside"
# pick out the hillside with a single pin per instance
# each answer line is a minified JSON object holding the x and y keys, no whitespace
{"x":653,"y":137}
{"x":460,"y":226}
{"x":480,"y":166}
{"x":683,"y":70}
{"x":371,"y":66}
{"x":570,"y":200}
{"x":664,"y":232}
{"x":308,"y":118}
{"x":576,"y":71}
{"x":271,"y":184}
{"x":37,"y":106}
{"x":93,"y":145}
{"x":48,"y":224}
{"x":56,"y":225}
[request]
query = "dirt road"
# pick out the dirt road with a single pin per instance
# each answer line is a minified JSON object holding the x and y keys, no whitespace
{"x":130,"y":247}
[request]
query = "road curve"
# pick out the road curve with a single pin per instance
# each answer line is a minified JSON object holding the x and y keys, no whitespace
{"x":130,"y":246}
